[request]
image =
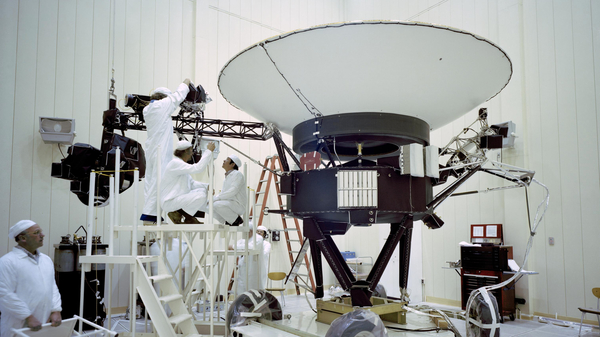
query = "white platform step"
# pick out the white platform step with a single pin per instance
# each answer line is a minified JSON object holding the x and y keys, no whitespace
{"x":179,"y":318}
{"x":148,"y":258}
{"x":170,"y":298}
{"x":159,"y":278}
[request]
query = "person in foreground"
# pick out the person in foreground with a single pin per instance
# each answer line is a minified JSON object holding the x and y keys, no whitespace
{"x":28,"y":292}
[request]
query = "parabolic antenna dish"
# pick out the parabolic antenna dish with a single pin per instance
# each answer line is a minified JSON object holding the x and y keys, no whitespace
{"x":430,"y":72}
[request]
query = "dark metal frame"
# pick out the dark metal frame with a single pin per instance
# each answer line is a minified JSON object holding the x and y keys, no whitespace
{"x":196,"y":125}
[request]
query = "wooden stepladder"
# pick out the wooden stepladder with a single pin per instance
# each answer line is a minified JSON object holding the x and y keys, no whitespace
{"x":295,"y":242}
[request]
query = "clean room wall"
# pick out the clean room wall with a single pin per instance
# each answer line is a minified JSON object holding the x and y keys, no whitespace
{"x":56,"y":60}
{"x":552,"y":98}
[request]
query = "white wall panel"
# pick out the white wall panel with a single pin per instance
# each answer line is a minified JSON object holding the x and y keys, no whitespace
{"x":551,"y":155}
{"x":586,"y":24}
{"x":533,"y":112}
{"x":44,"y":106}
{"x":147,"y":42}
{"x":567,"y":128}
{"x":9,"y":11}
{"x":23,"y":141}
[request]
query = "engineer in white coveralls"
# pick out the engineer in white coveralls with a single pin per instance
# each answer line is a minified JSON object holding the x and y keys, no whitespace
{"x":263,"y":231}
{"x":230,"y":205}
{"x":182,"y":196}
{"x":29,"y":296}
{"x":159,"y":127}
{"x":254,"y":273}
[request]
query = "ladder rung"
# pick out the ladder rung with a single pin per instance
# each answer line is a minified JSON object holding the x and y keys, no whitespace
{"x":263,"y":192}
{"x":293,"y":240}
{"x":161,"y":277}
{"x":197,"y":292}
{"x":263,"y":181}
{"x":170,"y":298}
{"x":294,"y":251}
{"x":148,"y":258}
{"x":290,"y":229}
{"x":179,"y":318}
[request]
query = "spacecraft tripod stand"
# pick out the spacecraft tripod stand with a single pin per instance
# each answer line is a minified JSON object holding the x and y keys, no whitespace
{"x":320,"y":243}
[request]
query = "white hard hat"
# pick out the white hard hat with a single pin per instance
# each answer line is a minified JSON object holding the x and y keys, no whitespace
{"x":161,"y":90}
{"x":19,"y":227}
{"x":262,"y":228}
{"x":183,"y":144}
{"x":236,"y":160}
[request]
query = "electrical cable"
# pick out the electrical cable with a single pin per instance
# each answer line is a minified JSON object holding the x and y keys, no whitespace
{"x":315,"y":114}
{"x":307,"y":301}
{"x":436,"y":329}
{"x":60,"y":149}
{"x":252,"y":159}
{"x":335,"y":151}
{"x":536,"y":223}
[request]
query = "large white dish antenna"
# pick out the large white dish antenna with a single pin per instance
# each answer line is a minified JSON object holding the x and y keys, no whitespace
{"x":431,"y":72}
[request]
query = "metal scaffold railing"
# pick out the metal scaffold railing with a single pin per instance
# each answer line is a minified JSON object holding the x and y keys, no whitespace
{"x":167,"y":292}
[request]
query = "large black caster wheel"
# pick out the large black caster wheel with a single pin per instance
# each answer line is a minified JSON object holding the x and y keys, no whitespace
{"x":512,"y":317}
{"x":357,"y":323}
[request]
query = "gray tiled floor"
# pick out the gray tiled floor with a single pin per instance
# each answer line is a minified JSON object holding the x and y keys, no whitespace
{"x":518,"y":327}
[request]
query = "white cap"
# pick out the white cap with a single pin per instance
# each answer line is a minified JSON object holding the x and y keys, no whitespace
{"x":236,"y":160}
{"x":261,"y":228}
{"x":19,"y":227}
{"x":183,"y":144}
{"x":161,"y":90}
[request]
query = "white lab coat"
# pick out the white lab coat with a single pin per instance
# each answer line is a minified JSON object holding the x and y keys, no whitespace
{"x":26,"y":288}
{"x":159,"y":129}
{"x":253,"y":272}
{"x":179,"y":190}
{"x":232,"y":201}
{"x":265,"y":265}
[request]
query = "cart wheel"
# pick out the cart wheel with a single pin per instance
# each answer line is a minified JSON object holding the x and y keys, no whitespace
{"x":512,"y":317}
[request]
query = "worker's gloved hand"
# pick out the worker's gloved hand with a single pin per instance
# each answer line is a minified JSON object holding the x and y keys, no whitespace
{"x":211,"y":146}
{"x":33,"y":323}
{"x":55,"y":318}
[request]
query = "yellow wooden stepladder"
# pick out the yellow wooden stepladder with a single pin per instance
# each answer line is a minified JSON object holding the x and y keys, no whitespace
{"x":262,"y":194}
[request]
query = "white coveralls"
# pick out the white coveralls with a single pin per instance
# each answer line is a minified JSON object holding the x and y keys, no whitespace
{"x":253,"y":272}
{"x":26,"y":287}
{"x":265,"y":265}
{"x":232,"y":201}
{"x":159,"y":128}
{"x":179,"y":190}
